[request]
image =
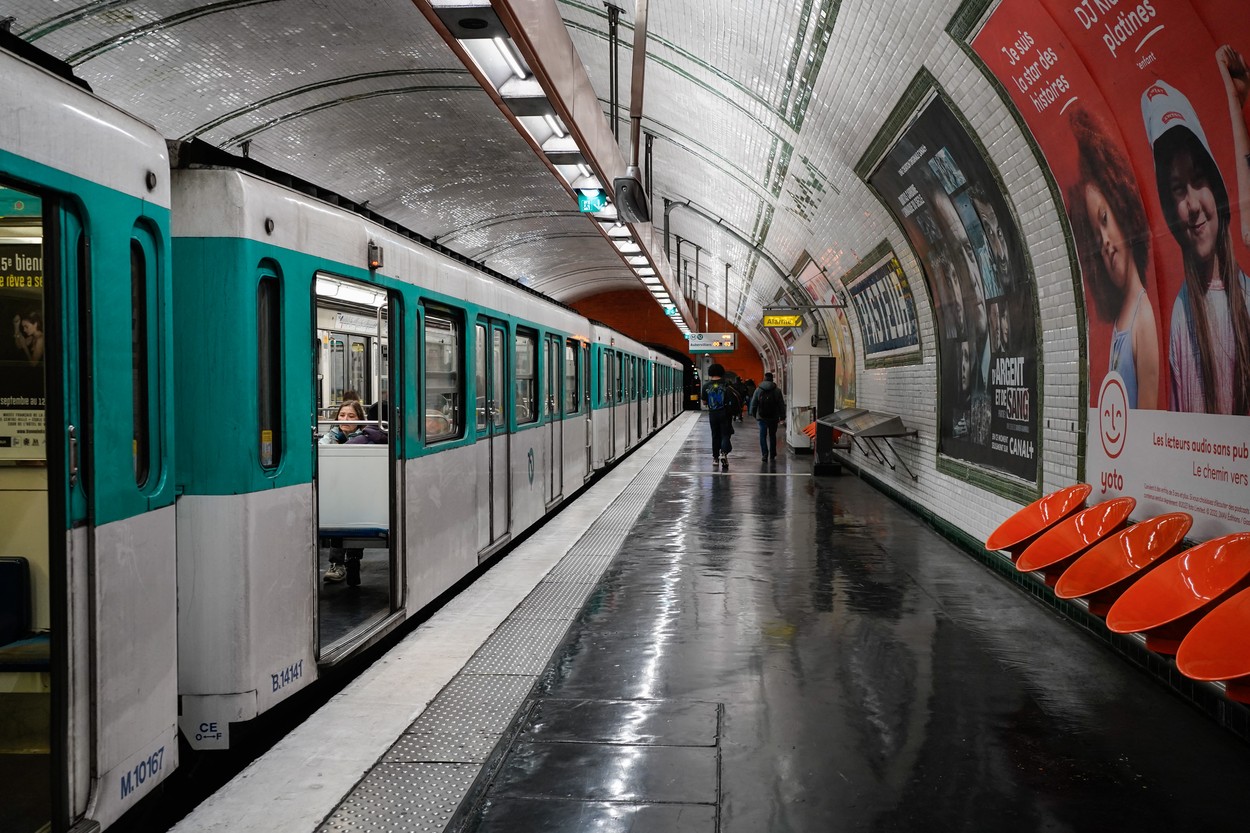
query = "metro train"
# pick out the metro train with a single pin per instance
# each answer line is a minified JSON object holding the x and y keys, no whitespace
{"x":165,"y":506}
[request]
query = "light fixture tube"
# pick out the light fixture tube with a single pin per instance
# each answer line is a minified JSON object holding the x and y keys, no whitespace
{"x":554,"y":125}
{"x":506,"y":52}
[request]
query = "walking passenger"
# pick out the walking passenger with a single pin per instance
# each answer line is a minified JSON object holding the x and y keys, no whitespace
{"x":768,"y":407}
{"x":722,"y":402}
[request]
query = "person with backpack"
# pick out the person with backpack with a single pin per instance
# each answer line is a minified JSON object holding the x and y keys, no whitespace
{"x":722,"y":402}
{"x":768,"y":407}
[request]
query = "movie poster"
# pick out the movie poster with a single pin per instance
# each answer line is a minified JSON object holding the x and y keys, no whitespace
{"x":942,"y":192}
{"x":1141,"y":113}
{"x":21,"y":352}
{"x":886,"y":310}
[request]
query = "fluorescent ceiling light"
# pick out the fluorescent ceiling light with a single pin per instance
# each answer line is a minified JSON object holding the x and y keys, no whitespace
{"x":645,"y":272}
{"x":585,"y":169}
{"x":637,"y":260}
{"x":554,"y":125}
{"x":505,"y":49}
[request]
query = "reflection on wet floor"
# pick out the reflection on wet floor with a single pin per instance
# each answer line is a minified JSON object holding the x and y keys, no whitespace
{"x":343,"y":609}
{"x":861,"y":673}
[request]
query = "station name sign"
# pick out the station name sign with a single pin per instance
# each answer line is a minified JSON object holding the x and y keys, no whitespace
{"x":794,"y":321}
{"x":711,"y":342}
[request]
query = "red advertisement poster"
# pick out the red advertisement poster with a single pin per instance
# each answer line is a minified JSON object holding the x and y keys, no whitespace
{"x":1140,"y":110}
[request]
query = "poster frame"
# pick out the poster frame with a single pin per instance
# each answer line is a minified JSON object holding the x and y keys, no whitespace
{"x":915,"y":355}
{"x":920,"y":91}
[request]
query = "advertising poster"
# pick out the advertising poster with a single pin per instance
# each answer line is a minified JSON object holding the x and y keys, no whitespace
{"x":1140,"y":111}
{"x":836,"y":326}
{"x":941,"y":190}
{"x":21,"y":352}
{"x":886,"y":310}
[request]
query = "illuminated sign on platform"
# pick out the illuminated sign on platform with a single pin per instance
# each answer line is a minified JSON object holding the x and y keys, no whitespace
{"x":592,"y":202}
{"x":711,"y":342}
{"x":783,"y":320}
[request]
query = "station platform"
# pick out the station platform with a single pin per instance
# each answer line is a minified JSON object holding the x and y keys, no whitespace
{"x":756,"y":650}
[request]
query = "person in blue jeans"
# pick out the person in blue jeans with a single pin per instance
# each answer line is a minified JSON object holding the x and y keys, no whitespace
{"x":769,"y":408}
{"x":722,"y":402}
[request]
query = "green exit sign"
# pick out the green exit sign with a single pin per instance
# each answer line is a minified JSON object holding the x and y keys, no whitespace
{"x":592,"y":202}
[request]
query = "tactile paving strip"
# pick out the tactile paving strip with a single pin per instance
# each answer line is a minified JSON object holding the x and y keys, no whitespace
{"x":459,"y":747}
{"x":474,"y":703}
{"x":555,"y":600}
{"x":583,"y":569}
{"x":412,"y":798}
{"x":419,"y":783}
{"x":518,"y":647}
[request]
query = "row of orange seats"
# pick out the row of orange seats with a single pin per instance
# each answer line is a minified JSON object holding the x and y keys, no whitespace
{"x":1192,"y":602}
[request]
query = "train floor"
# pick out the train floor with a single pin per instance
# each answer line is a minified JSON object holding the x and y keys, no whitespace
{"x":692,"y":650}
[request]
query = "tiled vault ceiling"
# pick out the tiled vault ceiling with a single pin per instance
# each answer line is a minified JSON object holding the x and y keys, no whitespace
{"x":759,"y":109}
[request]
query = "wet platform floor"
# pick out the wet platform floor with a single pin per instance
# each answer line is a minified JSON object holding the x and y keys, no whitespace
{"x":774,"y":652}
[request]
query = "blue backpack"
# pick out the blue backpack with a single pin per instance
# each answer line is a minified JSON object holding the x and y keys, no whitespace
{"x":717,"y":396}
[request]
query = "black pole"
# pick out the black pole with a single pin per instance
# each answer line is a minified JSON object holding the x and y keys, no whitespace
{"x":614,"y":18}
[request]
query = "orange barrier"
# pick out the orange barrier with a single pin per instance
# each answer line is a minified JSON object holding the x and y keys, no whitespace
{"x":1217,"y":648}
{"x":1019,"y":530}
{"x":1053,"y":550}
{"x":810,"y":430}
{"x":1169,"y":600}
{"x":1111,"y":565}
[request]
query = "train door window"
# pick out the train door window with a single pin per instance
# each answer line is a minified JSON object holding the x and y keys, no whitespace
{"x":441,"y":387}
{"x":620,"y":378}
{"x":479,"y":376}
{"x":498,"y":380}
{"x":269,"y":368}
{"x":526,"y":377}
{"x":572,"y":398}
{"x":548,"y":379}
{"x":358,"y":365}
{"x":141,"y":451}
{"x":336,"y":373}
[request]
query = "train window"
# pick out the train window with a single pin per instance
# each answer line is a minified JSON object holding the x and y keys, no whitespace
{"x":141,"y":436}
{"x":572,"y":402}
{"x":480,"y":377}
{"x":620,"y":377}
{"x":443,"y":364}
{"x":526,"y":377}
{"x":269,"y":368}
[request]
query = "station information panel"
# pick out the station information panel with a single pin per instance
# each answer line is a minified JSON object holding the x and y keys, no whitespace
{"x":711,"y":342}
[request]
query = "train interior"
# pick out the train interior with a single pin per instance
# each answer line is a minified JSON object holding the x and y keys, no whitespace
{"x":356,"y":481}
{"x":26,"y":678}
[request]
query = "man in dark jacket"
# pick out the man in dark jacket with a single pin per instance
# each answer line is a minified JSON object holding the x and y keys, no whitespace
{"x":722,"y":402}
{"x":769,"y":408}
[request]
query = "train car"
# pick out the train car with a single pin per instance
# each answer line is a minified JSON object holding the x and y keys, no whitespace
{"x":285,"y":306}
{"x":88,"y":647}
{"x":466,"y":376}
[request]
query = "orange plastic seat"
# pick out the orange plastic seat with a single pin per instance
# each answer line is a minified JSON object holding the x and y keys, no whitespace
{"x":1170,"y":599}
{"x":1217,"y":648}
{"x":1018,"y":531}
{"x":1053,"y":550}
{"x":1113,"y":564}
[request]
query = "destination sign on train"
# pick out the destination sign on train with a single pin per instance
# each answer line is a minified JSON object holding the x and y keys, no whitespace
{"x":783,"y":320}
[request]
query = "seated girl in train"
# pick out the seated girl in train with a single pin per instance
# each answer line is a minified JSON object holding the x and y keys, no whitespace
{"x":350,"y":430}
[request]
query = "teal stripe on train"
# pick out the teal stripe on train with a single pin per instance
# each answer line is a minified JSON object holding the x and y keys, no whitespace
{"x":109,"y":219}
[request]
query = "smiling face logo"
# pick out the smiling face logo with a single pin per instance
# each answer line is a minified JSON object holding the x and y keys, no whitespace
{"x":1113,"y":414}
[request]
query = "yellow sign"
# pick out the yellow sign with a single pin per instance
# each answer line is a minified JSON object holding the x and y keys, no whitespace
{"x":783,"y":320}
